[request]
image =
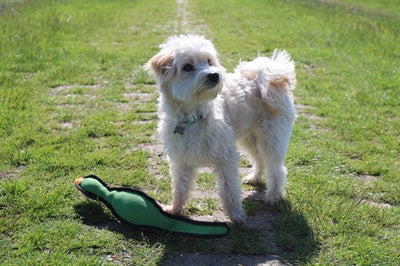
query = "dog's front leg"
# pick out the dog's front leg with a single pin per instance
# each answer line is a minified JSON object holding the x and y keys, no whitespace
{"x":226,"y":169}
{"x":183,"y":180}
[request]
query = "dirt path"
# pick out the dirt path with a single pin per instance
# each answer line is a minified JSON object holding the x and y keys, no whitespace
{"x":261,"y":221}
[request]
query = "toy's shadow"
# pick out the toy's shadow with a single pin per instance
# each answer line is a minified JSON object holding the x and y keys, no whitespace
{"x":279,"y":230}
{"x":94,"y":213}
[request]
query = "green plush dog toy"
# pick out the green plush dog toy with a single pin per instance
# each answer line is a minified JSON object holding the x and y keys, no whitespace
{"x":136,"y":208}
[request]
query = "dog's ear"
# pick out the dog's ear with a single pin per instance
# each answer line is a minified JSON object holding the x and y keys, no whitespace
{"x":161,"y":65}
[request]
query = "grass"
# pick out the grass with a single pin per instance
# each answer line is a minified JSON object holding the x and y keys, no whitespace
{"x":74,"y":101}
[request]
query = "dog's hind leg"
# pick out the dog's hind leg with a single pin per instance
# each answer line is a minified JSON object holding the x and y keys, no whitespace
{"x":226,"y":169}
{"x":276,"y":180}
{"x":183,"y":180}
{"x":248,"y":145}
{"x":272,"y":143}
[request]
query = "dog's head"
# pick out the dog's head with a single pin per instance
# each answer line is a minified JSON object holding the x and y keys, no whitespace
{"x":187,"y":69}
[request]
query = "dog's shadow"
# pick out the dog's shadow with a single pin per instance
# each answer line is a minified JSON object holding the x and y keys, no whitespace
{"x":279,"y":231}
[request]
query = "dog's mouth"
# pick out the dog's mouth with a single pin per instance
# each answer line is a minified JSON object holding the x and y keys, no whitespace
{"x":210,"y":88}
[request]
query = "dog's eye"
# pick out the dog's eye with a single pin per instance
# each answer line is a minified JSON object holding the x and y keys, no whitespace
{"x":188,"y":68}
{"x":209,"y":62}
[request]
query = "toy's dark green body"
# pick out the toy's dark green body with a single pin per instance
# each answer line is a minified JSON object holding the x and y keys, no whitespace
{"x":138,"y":209}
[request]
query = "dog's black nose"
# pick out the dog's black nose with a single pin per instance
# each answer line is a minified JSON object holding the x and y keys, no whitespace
{"x":213,"y":77}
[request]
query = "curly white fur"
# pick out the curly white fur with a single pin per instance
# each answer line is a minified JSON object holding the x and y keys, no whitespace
{"x":203,"y":112}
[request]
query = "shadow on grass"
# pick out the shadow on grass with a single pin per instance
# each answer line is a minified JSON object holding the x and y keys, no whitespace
{"x":271,"y":232}
{"x":293,"y":234}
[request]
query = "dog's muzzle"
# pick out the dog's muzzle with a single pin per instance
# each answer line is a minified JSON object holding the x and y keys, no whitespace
{"x":213,"y":79}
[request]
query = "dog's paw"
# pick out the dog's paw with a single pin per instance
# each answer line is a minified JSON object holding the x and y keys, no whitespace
{"x":252,"y":179}
{"x":273,"y":197}
{"x":237,"y":215}
{"x":171,"y":210}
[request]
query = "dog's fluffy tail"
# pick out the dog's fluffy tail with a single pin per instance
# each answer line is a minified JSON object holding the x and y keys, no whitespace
{"x":275,"y":77}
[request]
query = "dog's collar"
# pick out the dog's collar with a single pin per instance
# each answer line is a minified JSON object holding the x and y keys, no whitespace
{"x":191,"y":120}
{"x":188,"y":120}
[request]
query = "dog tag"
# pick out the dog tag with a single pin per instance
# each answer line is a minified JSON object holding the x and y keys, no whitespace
{"x":180,"y":130}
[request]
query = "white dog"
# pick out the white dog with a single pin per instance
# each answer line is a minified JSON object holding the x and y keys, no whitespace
{"x":203,"y":112}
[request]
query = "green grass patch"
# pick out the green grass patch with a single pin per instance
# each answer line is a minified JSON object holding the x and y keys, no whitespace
{"x":202,"y":206}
